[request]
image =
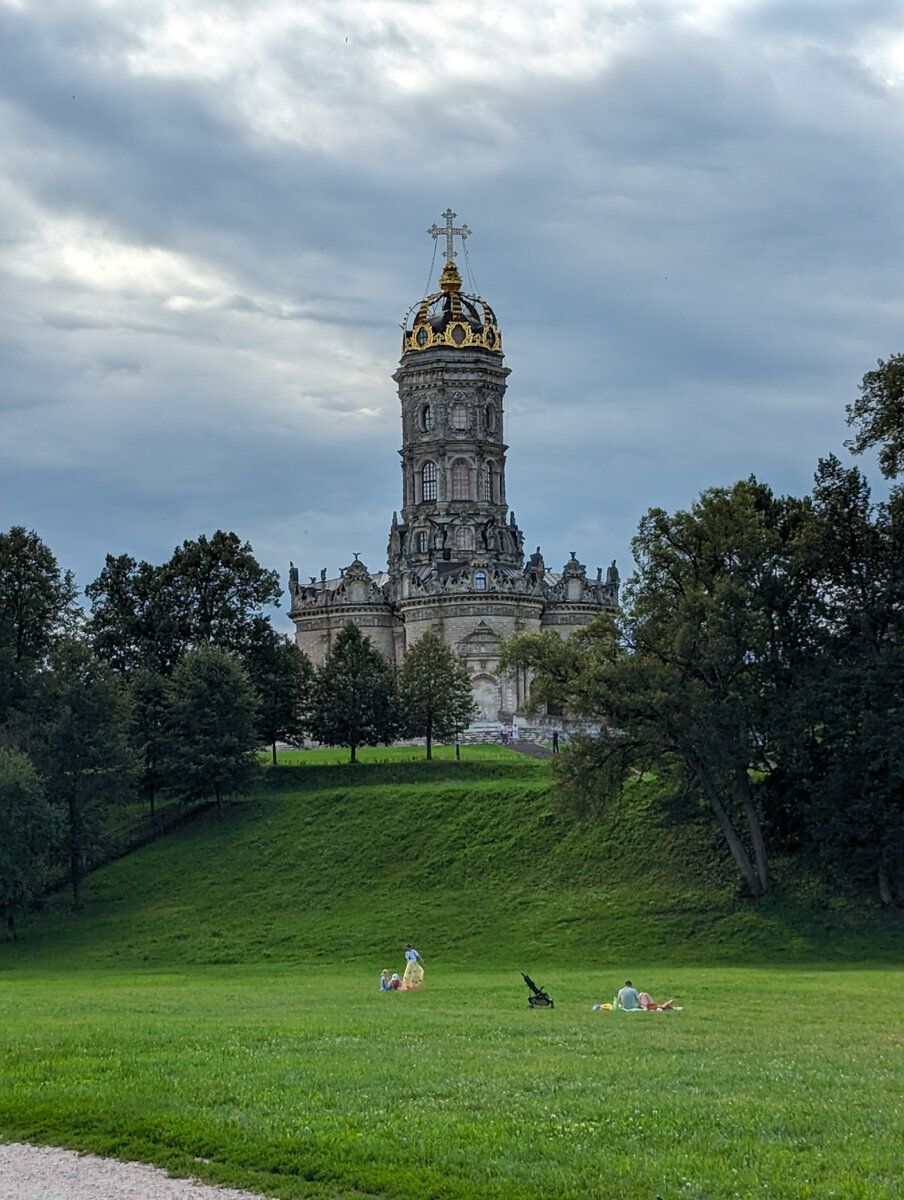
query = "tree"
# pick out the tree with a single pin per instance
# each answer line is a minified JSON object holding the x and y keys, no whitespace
{"x":434,"y":691}
{"x":37,"y":605}
{"x":878,"y":415}
{"x":213,"y":738}
{"x":353,"y":703}
{"x":690,"y":677}
{"x":211,"y":592}
{"x":136,"y":622}
{"x":28,"y":827}
{"x":846,"y":780}
{"x":282,"y":677}
{"x":77,"y":737}
{"x":150,"y":730}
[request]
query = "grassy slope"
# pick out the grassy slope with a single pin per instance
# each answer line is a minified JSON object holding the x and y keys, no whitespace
{"x":468,"y":860}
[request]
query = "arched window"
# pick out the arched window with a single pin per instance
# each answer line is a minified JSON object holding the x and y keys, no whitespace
{"x":464,"y":538}
{"x":459,"y":416}
{"x":491,"y":419}
{"x":427,"y":418}
{"x":488,"y":481}
{"x":480,"y":581}
{"x":461,"y":480}
{"x":428,"y":481}
{"x":423,"y":541}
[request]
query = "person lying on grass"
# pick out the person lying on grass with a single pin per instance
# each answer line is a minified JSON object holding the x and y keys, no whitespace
{"x":645,"y":1000}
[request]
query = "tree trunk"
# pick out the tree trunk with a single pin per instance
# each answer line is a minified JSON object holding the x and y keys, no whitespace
{"x":274,"y":754}
{"x":884,"y":885}
{"x":756,"y":830}
{"x":353,"y":757}
{"x":75,"y":853}
{"x":11,"y":924}
{"x":429,"y":742}
{"x":724,"y":821}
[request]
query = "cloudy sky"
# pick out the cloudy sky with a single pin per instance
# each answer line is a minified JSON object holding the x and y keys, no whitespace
{"x":687,"y":215}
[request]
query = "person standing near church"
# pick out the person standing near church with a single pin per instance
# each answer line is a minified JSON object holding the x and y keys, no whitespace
{"x":414,"y":970}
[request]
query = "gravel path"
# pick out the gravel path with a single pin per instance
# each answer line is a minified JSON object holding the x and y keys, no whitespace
{"x":45,"y":1173}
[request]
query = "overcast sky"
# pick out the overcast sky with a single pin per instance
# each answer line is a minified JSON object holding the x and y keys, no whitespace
{"x":686,"y":215}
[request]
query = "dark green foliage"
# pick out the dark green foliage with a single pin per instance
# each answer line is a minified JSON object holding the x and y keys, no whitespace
{"x":283,"y":678}
{"x":151,"y":698}
{"x":693,"y":676}
{"x":28,"y":828}
{"x":212,"y":591}
{"x":878,"y":415}
{"x":37,"y":604}
{"x":212,"y":725}
{"x":77,"y":737}
{"x":434,"y":691}
{"x":842,"y":780}
{"x":354,"y":696}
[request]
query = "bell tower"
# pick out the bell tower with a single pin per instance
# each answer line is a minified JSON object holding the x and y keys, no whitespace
{"x":451,"y":382}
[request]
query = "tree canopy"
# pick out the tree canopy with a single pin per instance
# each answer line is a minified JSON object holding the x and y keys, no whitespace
{"x":434,"y":691}
{"x":354,"y":701}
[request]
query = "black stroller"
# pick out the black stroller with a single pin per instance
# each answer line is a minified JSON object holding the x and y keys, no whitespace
{"x":538,"y":998}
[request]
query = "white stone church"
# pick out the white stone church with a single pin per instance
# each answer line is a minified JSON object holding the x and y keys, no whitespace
{"x":456,"y":558}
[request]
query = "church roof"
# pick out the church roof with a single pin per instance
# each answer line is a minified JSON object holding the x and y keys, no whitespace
{"x":451,"y":319}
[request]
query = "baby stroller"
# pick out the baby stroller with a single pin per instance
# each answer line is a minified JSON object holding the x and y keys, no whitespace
{"x":538,"y":998}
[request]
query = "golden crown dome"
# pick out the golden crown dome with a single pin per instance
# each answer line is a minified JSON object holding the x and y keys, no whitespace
{"x":451,"y":319}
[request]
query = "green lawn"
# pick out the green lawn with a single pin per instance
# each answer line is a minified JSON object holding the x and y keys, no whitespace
{"x":309,"y":1082}
{"x":214,"y":1009}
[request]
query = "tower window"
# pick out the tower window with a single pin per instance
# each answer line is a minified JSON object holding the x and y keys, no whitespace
{"x":464,"y":538}
{"x":480,"y":581}
{"x":488,"y":482}
{"x":428,"y":481}
{"x":491,"y":419}
{"x":461,"y":481}
{"x":423,"y":541}
{"x":459,"y":416}
{"x":427,"y":418}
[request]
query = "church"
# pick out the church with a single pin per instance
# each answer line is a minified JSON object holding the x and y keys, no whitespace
{"x":456,"y":562}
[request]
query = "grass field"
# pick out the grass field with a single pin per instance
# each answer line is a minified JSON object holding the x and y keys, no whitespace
{"x":310,"y":1083}
{"x":215,"y":1007}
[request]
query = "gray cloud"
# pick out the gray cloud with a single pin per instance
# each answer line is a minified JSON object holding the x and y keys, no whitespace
{"x":686,"y":216}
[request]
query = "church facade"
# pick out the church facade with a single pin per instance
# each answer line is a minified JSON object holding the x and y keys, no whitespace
{"x":456,"y":562}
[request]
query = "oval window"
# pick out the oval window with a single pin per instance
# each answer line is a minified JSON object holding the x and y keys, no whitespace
{"x":427,"y":418}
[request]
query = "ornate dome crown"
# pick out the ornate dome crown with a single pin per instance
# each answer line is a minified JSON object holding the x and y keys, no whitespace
{"x":450,"y":317}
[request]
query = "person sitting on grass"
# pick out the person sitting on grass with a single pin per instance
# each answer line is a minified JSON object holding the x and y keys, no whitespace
{"x":384,"y":981}
{"x":395,"y":983}
{"x":645,"y":1000}
{"x":628,"y":997}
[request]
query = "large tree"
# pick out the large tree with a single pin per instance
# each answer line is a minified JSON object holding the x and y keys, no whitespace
{"x":37,"y":605}
{"x":877,"y":415}
{"x":212,"y":591}
{"x":282,"y":678}
{"x":77,"y":737}
{"x":434,"y":691}
{"x":28,"y":828}
{"x":353,"y":697}
{"x":843,"y":781}
{"x":691,"y":676}
{"x":212,"y":725}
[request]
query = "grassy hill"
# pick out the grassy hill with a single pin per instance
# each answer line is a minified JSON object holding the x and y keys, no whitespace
{"x":471,"y":861}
